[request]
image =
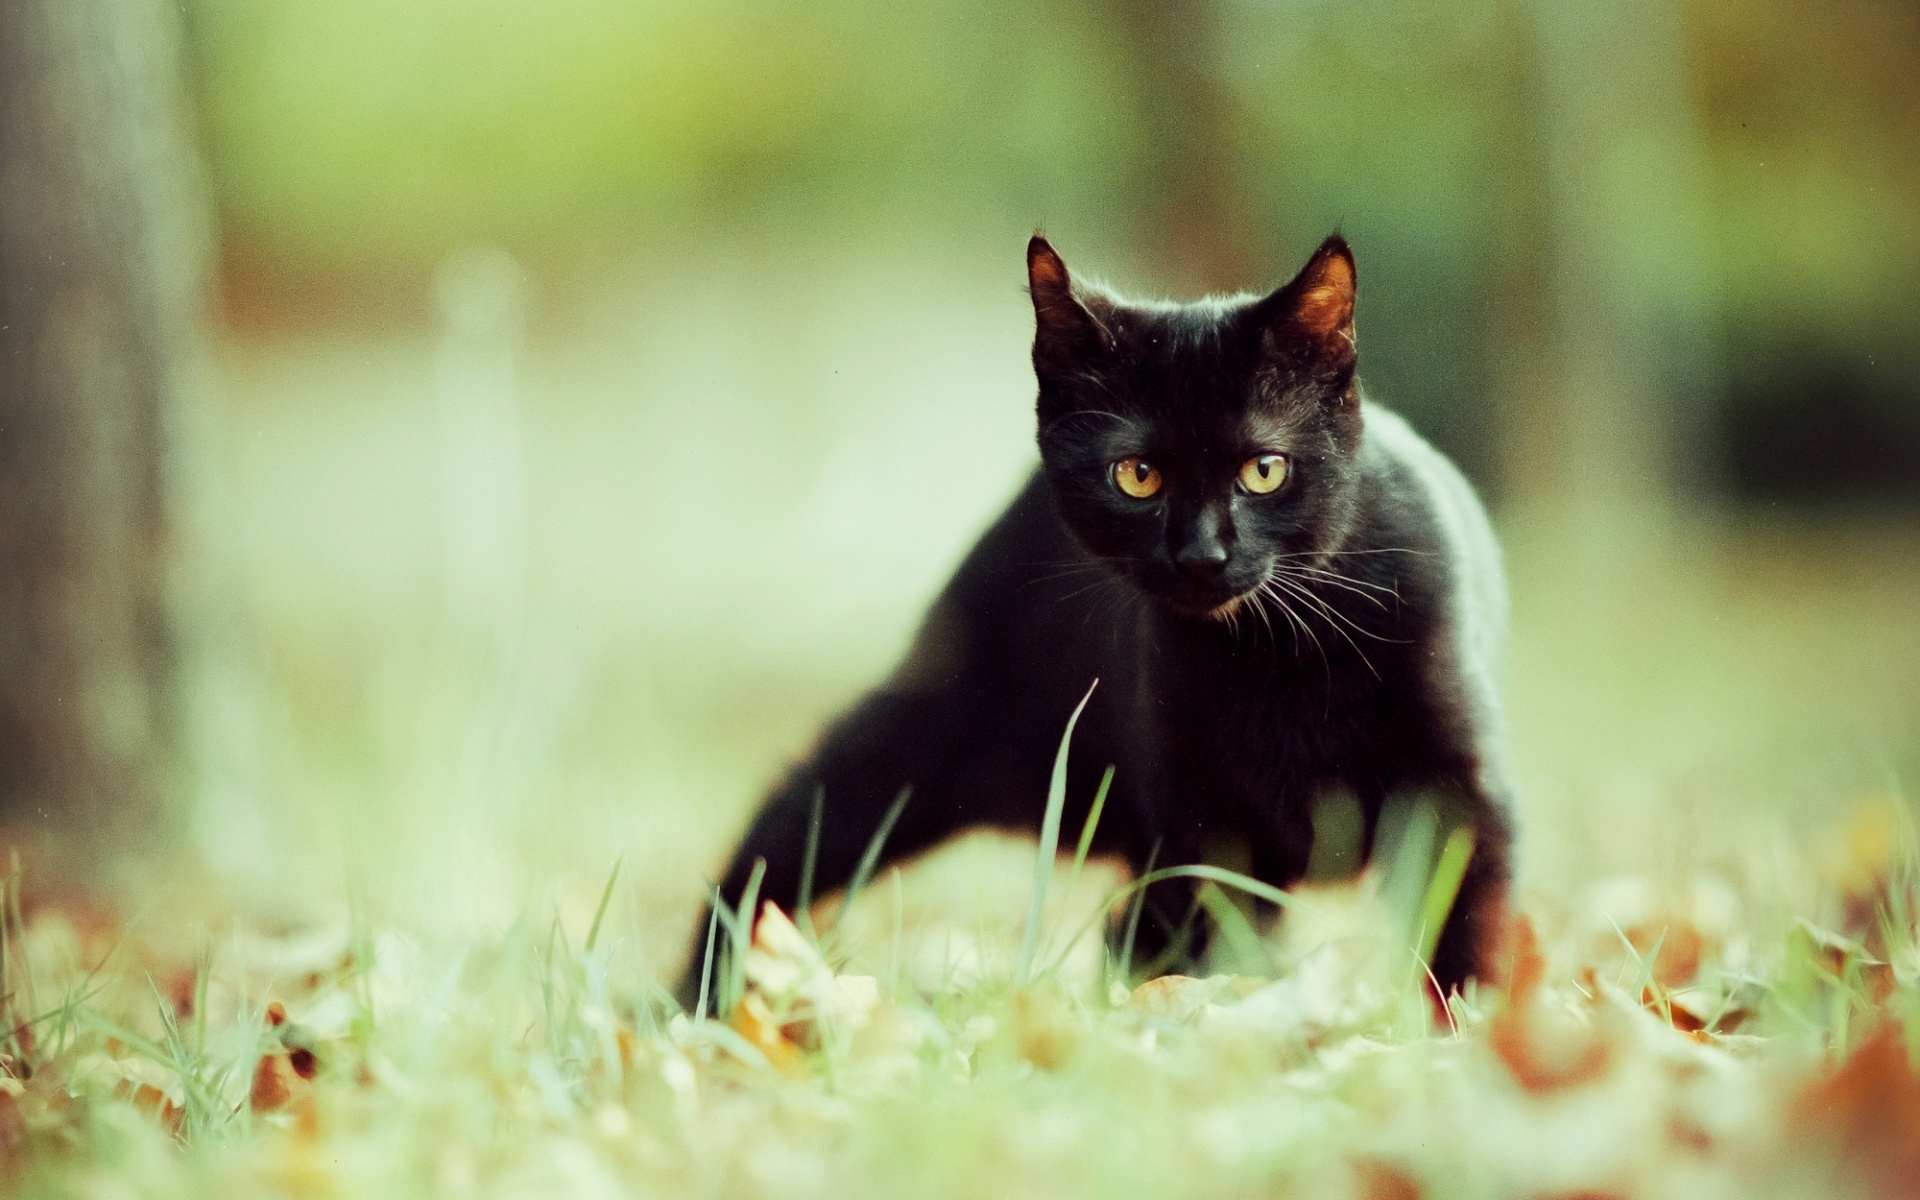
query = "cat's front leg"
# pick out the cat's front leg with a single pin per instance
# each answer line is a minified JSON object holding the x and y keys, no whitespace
{"x":1470,"y":940}
{"x":891,"y":743}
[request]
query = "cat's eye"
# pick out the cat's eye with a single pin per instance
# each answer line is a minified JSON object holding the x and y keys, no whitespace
{"x":1136,"y":478}
{"x":1263,"y":473}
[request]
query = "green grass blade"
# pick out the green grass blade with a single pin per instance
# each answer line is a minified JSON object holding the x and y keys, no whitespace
{"x":1049,"y":842}
{"x":1641,"y":984}
{"x":1233,"y":879}
{"x":1087,"y":829}
{"x":706,"y":964}
{"x":803,"y":917}
{"x":1236,"y":931}
{"x":741,"y":927}
{"x":599,"y":913}
{"x":1134,"y":907}
{"x":870,"y":857}
{"x":1443,"y":888}
{"x":203,"y":972}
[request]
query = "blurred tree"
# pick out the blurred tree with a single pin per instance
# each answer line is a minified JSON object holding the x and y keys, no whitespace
{"x":98,"y":281}
{"x":1197,"y":211}
{"x":1627,"y":273}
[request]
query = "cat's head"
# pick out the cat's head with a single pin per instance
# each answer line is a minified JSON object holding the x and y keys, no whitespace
{"x":1191,"y":446}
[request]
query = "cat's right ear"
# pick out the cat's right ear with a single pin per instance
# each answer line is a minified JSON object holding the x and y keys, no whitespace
{"x":1066,"y":334}
{"x":1312,"y":317}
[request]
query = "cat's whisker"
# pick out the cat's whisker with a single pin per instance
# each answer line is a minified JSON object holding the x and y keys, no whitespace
{"x":1329,"y":613}
{"x":1332,"y":579}
{"x":1258,"y":598}
{"x":1081,"y":591}
{"x":1120,"y":604}
{"x":1332,"y":611}
{"x":1320,"y":603}
{"x":1300,"y":624}
{"x":1355,"y":580}
{"x":1349,"y":553}
{"x":1067,"y":573}
{"x":1063,"y":568}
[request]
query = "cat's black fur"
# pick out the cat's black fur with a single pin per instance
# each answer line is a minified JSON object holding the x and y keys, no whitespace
{"x":1254,"y":651}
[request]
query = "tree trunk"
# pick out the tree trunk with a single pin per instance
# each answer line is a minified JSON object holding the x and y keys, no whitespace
{"x":99,"y":272}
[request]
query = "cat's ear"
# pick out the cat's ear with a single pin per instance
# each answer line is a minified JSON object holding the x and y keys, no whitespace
{"x":1066,"y":334}
{"x":1314,"y":313}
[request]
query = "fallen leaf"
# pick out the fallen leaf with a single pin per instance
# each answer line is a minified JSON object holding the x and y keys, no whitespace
{"x":1677,"y":948}
{"x":1525,"y":967}
{"x":280,"y":1086}
{"x":270,"y":1089}
{"x":753,"y":1021}
{"x":1181,"y":999}
{"x":798,"y":994}
{"x":155,"y":1103}
{"x":1381,"y":1181}
{"x":1046,"y":1031}
{"x":1868,"y":1113}
{"x":1544,"y":1046}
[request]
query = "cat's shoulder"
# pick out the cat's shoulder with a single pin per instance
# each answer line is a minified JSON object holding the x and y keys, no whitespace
{"x":1410,"y":475}
{"x":1421,"y":499}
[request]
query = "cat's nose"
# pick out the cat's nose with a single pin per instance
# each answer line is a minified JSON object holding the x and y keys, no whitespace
{"x":1202,"y":559}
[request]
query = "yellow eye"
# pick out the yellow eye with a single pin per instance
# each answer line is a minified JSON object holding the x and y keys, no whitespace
{"x":1136,"y":478}
{"x":1263,"y":473}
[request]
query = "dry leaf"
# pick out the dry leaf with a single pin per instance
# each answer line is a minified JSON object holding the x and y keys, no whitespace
{"x":1381,"y":1181}
{"x":1526,"y":967}
{"x":753,"y":1021}
{"x":1868,"y":1112}
{"x":799,"y":996}
{"x":1045,"y":1030}
{"x":1680,"y":948}
{"x":270,"y":1087}
{"x":155,"y":1103}
{"x":1544,"y":1046}
{"x":279,"y":1085}
{"x":1181,"y":999}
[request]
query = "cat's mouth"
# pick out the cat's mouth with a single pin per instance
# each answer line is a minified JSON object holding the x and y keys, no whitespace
{"x":1218,"y":599}
{"x":1225,"y":612}
{"x":1214,"y":604}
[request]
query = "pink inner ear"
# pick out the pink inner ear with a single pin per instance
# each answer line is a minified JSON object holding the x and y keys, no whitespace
{"x":1047,"y":273}
{"x":1327,"y":306}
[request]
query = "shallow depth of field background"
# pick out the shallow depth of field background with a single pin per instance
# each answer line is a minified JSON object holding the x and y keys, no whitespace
{"x":597,"y":392}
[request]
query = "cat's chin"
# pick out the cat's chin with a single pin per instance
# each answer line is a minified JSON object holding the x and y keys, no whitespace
{"x":1208,"y":609}
{"x":1225,"y":612}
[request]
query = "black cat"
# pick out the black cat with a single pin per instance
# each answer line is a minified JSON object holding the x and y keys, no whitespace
{"x":1282,"y":589}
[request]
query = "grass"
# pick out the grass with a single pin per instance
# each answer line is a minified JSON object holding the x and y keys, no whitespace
{"x":541,"y":1064}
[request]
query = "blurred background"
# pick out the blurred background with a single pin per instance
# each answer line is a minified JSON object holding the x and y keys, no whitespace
{"x":446,"y":445}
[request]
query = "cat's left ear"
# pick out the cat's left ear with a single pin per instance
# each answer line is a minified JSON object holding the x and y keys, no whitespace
{"x":1314,"y":313}
{"x":1066,"y":333}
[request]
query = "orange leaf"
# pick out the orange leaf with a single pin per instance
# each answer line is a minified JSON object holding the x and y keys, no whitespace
{"x":753,"y":1021}
{"x":1869,"y":1112}
{"x":270,"y":1089}
{"x":155,"y":1103}
{"x":1546,"y":1049}
{"x":1525,"y":967}
{"x":1379,"y":1181}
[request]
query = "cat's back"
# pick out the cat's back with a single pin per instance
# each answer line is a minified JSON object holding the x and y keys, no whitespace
{"x":1419,"y":501}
